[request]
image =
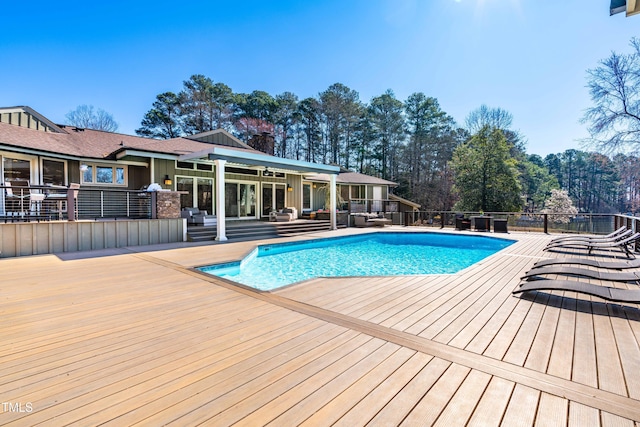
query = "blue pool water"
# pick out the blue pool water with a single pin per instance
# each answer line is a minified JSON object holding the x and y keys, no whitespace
{"x":269,"y":267}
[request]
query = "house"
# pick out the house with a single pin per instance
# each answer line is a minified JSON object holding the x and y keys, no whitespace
{"x":213,"y":171}
{"x":358,"y":192}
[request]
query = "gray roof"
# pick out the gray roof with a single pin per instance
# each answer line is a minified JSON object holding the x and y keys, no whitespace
{"x":354,"y":178}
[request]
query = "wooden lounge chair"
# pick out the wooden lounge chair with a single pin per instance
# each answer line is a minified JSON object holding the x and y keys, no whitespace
{"x":591,"y":238}
{"x":623,"y":245}
{"x":610,"y":276}
{"x":609,"y":265}
{"x":604,"y":292}
{"x":615,"y":238}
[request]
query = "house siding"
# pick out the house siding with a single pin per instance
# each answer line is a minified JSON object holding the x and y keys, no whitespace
{"x":24,"y":119}
{"x":22,"y":239}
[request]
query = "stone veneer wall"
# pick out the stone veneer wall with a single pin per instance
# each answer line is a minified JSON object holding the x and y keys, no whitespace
{"x":167,"y":204}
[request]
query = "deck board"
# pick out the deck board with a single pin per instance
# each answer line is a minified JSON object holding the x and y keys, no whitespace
{"x":153,"y":342}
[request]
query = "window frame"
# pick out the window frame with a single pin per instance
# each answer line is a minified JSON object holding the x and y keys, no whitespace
{"x":94,"y":174}
{"x":51,"y":159}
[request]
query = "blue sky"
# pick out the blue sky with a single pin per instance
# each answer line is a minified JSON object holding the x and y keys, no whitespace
{"x":528,"y":57}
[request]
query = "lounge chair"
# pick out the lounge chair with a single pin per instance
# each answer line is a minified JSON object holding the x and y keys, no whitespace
{"x":615,"y":238}
{"x":591,"y":238}
{"x":623,"y":245}
{"x":604,"y":292}
{"x":610,"y":276}
{"x":610,"y":265}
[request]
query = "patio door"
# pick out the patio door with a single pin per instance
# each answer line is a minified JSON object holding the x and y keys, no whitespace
{"x":273,"y":196}
{"x":197,"y":193}
{"x":18,"y":171}
{"x":376,"y":204}
{"x":240,"y":200}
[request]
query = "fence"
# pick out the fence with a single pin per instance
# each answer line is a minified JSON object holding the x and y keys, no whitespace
{"x":547,"y":223}
{"x":591,"y":223}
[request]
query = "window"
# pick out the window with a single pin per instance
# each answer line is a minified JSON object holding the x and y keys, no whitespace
{"x":53,"y":172}
{"x":184,"y":165}
{"x":208,"y":167}
{"x":103,"y":174}
{"x":273,"y":174}
{"x":357,"y":192}
{"x":204,"y":167}
{"x":306,"y":196}
{"x":16,"y":169}
{"x":241,"y":171}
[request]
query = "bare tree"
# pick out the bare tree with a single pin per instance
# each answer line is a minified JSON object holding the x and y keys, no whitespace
{"x":86,"y":117}
{"x":482,"y":116}
{"x":614,"y":86}
{"x":496,"y":118}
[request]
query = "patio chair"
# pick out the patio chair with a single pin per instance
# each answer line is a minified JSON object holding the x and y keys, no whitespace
{"x":35,"y":203}
{"x":591,"y":238}
{"x":615,"y":238}
{"x":15,"y":198}
{"x":609,"y":276}
{"x":609,"y":265}
{"x":462,"y":223}
{"x":604,"y":292}
{"x":624,"y":245}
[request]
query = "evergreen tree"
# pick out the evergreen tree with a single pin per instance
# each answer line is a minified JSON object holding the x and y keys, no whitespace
{"x":163,"y":121}
{"x":485,"y":175}
{"x":340,"y":116}
{"x":388,"y":124}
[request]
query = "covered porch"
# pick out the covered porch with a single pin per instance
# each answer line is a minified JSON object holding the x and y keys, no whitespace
{"x":232,"y":193}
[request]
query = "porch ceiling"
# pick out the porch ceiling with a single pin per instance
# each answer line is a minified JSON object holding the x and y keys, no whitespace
{"x":250,"y":158}
{"x":631,"y":7}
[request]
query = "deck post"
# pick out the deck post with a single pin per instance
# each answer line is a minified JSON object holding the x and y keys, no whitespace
{"x":332,"y":201}
{"x":220,"y":213}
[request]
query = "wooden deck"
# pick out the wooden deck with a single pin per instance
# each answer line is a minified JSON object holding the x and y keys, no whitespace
{"x":139,"y":338}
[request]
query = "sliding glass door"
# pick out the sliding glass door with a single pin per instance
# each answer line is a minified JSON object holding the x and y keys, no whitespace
{"x":240,"y":200}
{"x":196,"y":193}
{"x":273,"y":196}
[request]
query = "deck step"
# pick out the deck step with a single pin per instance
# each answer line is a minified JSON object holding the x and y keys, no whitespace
{"x":256,"y":230}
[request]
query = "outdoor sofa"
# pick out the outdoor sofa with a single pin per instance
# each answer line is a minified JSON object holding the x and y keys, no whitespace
{"x":364,"y":219}
{"x":195,"y":216}
{"x":284,"y":215}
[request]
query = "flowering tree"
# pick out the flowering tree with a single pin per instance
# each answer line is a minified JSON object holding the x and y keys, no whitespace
{"x":560,"y":205}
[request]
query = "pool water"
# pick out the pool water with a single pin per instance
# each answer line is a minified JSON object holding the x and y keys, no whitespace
{"x":270,"y":267}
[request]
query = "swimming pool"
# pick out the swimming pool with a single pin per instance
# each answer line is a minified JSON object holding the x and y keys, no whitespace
{"x":273,"y":266}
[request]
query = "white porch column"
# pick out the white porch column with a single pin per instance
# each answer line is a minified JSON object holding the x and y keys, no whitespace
{"x":220,"y":214}
{"x":332,"y":201}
